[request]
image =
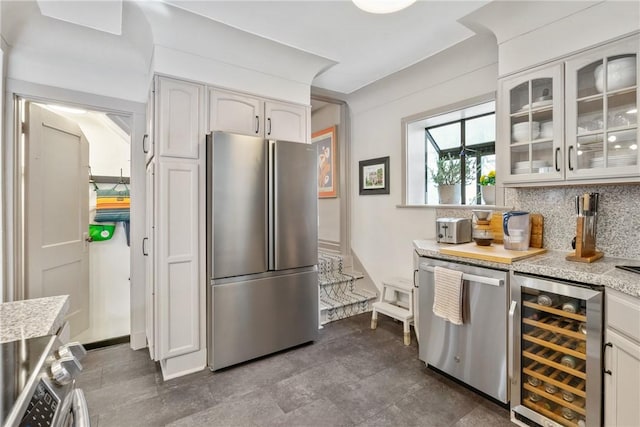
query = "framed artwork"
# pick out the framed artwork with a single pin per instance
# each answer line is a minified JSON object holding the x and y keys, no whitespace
{"x":374,"y":176}
{"x":325,"y":142}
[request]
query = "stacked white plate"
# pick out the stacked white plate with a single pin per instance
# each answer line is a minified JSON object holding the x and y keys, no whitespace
{"x":614,"y":161}
{"x":523,"y":167}
{"x":537,"y":104}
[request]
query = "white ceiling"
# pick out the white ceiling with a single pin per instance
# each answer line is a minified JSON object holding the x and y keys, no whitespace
{"x":350,"y":47}
{"x":366,"y":47}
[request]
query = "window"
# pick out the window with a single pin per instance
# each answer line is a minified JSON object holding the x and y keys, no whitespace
{"x":460,"y":136}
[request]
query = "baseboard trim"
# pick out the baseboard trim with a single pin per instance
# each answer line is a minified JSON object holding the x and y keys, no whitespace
{"x":106,"y":343}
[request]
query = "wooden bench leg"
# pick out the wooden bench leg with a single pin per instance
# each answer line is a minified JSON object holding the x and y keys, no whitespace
{"x":407,"y":333}
{"x":374,"y":319}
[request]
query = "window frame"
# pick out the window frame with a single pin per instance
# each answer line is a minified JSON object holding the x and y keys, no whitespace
{"x":460,"y":151}
{"x":412,"y":129}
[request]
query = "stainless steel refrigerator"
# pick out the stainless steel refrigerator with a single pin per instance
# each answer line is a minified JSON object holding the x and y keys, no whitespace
{"x":262,"y":247}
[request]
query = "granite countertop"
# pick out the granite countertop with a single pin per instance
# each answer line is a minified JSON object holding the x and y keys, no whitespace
{"x":32,"y":318}
{"x":553,"y":264}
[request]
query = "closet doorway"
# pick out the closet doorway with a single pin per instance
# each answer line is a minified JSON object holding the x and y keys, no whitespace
{"x":72,"y":158}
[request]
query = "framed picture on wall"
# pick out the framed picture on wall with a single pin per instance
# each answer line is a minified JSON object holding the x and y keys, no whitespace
{"x":374,"y":176}
{"x":325,"y":142}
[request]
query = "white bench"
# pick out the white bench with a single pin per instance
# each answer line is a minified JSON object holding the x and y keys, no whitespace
{"x":391,"y":307}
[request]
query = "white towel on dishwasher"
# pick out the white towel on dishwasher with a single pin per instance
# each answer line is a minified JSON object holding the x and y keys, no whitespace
{"x":447,"y":298}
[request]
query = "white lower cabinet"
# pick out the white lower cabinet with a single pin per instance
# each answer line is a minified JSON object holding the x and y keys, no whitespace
{"x":149,"y":253}
{"x":622,"y":361}
{"x":179,"y":280}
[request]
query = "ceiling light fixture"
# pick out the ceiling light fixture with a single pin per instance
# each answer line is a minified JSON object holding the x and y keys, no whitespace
{"x":383,"y":6}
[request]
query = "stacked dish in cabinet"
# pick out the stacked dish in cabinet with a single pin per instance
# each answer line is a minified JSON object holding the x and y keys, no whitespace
{"x":555,"y":376}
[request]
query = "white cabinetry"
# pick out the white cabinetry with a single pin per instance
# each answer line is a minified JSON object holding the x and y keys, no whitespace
{"x":602,"y":112}
{"x":249,"y":115}
{"x":176,"y":230}
{"x":149,"y":253}
{"x":622,"y":361}
{"x":285,"y":122}
{"x":574,"y":120}
{"x":531,"y":124}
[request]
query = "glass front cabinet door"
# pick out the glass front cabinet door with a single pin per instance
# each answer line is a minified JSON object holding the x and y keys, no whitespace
{"x":602,"y":112}
{"x":532,"y":129}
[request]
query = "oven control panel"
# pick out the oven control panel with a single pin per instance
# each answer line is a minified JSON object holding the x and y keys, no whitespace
{"x":42,"y":407}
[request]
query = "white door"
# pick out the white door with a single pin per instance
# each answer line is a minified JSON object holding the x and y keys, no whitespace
{"x":57,"y":212}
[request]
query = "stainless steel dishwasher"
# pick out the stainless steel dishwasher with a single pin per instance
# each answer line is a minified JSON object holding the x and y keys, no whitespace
{"x":476,"y":351}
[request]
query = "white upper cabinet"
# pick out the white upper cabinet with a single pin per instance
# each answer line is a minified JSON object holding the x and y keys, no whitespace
{"x":574,"y":120}
{"x":249,"y":115}
{"x":235,"y":113}
{"x":531,"y":125}
{"x":286,"y":122}
{"x":178,"y":108}
{"x":602,"y":112}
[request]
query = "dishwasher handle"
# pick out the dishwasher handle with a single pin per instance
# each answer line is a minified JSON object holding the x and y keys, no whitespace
{"x":511,"y":356}
{"x":470,"y":277}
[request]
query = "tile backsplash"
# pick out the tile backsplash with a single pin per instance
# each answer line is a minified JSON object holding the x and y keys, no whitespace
{"x":618,"y":223}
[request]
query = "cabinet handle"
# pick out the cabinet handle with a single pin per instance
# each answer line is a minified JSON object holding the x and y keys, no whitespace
{"x":257,"y":124}
{"x":569,"y":157}
{"x":604,"y":350}
{"x":144,"y":247}
{"x":557,"y":163}
{"x":144,"y":143}
{"x":269,"y":123}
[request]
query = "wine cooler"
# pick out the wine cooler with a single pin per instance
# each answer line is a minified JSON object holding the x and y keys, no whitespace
{"x":555,"y":363}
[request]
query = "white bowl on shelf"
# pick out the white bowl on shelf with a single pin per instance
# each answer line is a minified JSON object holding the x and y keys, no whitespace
{"x":621,"y":73}
{"x":546,"y":130}
{"x":521,"y":131}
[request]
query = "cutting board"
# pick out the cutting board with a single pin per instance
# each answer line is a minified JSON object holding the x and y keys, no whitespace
{"x":496,"y":252}
{"x":537,"y":228}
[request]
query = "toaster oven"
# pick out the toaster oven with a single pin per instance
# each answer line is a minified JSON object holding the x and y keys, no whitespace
{"x":453,"y":230}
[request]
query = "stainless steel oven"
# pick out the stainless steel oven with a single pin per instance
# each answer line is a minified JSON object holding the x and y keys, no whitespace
{"x":38,"y":384}
{"x":555,"y":363}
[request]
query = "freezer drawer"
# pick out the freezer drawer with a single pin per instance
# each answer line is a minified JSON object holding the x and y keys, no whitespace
{"x":253,"y":318}
{"x":475,"y":352}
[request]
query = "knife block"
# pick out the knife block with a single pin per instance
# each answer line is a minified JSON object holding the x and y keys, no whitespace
{"x":585,"y":243}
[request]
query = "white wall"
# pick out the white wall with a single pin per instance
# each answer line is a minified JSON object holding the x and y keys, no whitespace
{"x":382,"y":233}
{"x":328,"y":209}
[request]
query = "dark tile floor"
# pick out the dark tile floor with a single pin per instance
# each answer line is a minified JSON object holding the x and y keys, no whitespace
{"x":352,"y":376}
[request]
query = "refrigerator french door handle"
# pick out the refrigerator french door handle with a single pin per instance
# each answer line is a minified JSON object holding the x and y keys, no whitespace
{"x":512,"y":312}
{"x":271,"y":205}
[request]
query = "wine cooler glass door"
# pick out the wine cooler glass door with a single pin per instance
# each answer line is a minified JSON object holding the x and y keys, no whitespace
{"x":557,"y":367}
